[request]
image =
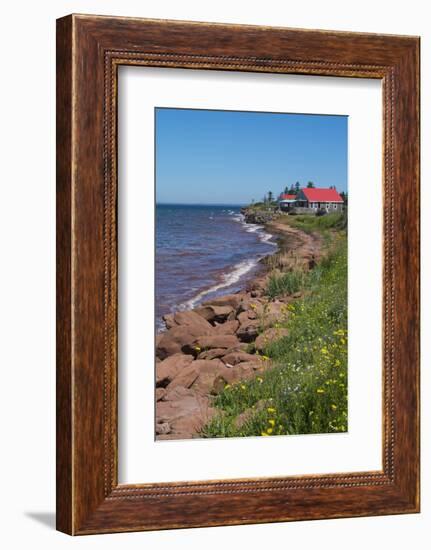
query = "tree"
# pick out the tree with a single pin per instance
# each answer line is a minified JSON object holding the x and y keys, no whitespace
{"x":270,"y":196}
{"x":264,"y":199}
{"x":286,"y":190}
{"x":344,"y":196}
{"x":297,"y":187}
{"x":310,"y":185}
{"x":292,"y":189}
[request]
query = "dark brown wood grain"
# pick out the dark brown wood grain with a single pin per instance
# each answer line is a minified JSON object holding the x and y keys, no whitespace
{"x":89,"y":51}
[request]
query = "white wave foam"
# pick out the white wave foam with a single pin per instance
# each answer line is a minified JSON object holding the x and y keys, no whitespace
{"x":266,"y":238}
{"x":252,"y":228}
{"x":228,"y":279}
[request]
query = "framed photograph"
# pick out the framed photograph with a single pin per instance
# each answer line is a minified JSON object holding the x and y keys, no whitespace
{"x":237,"y":274}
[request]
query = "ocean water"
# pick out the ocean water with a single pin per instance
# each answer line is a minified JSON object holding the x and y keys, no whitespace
{"x":203,"y":252}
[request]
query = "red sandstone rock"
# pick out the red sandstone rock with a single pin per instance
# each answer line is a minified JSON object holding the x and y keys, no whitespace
{"x":177,"y":393}
{"x":158,"y":338}
{"x":160,"y":393}
{"x":273,"y":312}
{"x":186,"y":377}
{"x":209,"y":371}
{"x":241,"y":371}
{"x":163,"y":428}
{"x":248,"y":330}
{"x":215,"y":313}
{"x":268,"y":336}
{"x":217,"y":341}
{"x":167,"y":369}
{"x":185,"y":417}
{"x":232,"y":300}
{"x":248,"y":414}
{"x":192,"y":319}
{"x":169,"y":320}
{"x":245,"y":316}
{"x":215,"y":353}
{"x":229,"y":327}
{"x":174,"y":339}
{"x":239,"y":357}
{"x":241,"y":346}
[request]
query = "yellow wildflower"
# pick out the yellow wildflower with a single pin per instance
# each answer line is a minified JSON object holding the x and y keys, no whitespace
{"x":263,"y":433}
{"x":270,"y":410}
{"x":320,"y":390}
{"x":272,"y":422}
{"x":242,"y":387}
{"x":269,"y":431}
{"x":333,"y":407}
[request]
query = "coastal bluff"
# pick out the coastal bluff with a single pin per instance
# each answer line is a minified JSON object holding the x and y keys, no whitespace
{"x":222,"y":342}
{"x":255,"y":216}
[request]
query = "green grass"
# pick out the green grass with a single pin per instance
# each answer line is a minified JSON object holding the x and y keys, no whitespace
{"x":262,"y":205}
{"x":281,"y":284}
{"x":305,"y":390}
{"x":311,"y":222}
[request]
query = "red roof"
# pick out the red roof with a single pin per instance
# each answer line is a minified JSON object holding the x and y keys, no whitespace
{"x":321,"y":195}
{"x":287,"y":197}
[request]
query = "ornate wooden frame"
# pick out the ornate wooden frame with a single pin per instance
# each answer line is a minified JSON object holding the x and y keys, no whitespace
{"x":89,"y":51}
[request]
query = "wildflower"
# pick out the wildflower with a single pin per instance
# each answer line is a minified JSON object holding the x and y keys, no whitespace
{"x":320,"y":390}
{"x":324,"y":351}
{"x":263,"y":433}
{"x":272,"y":422}
{"x":227,"y":386}
{"x":242,"y":387}
{"x":269,"y":431}
{"x":270,"y":410}
{"x":265,"y":357}
{"x":333,"y":407}
{"x":259,"y":379}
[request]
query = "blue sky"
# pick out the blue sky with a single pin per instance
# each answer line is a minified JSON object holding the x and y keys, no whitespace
{"x":232,"y":157}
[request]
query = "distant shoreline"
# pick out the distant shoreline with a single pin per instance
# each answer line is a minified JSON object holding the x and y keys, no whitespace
{"x":204,"y":204}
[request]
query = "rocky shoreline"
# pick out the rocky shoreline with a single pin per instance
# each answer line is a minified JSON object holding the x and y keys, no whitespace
{"x":222,"y":341}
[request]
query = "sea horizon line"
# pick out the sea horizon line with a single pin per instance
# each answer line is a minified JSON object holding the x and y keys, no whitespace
{"x":201,"y":203}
